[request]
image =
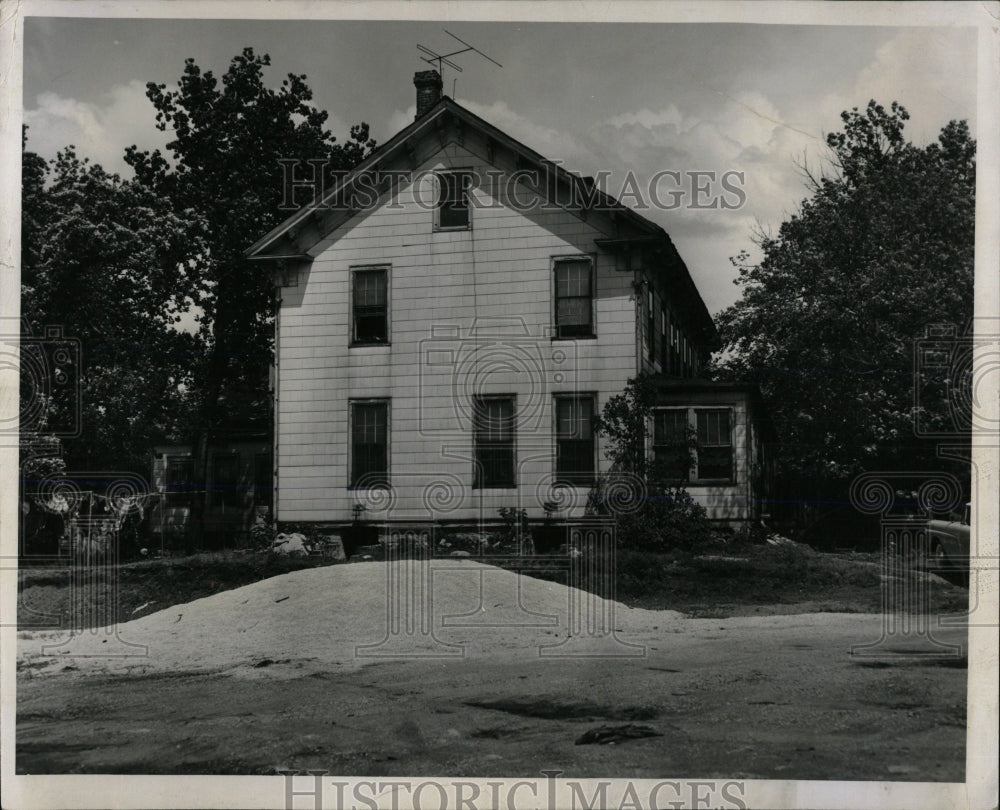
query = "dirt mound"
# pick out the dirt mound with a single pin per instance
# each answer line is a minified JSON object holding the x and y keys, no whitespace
{"x":343,"y":617}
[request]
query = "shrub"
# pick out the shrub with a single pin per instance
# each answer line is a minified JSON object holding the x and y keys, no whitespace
{"x":658,"y":518}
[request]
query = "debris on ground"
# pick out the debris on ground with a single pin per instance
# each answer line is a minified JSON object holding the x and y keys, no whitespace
{"x":609,"y":735}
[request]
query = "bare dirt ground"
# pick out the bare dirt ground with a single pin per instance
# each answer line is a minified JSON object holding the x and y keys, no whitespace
{"x":267,"y":677}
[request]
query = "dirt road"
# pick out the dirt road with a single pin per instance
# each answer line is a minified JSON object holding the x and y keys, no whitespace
{"x":752,"y":697}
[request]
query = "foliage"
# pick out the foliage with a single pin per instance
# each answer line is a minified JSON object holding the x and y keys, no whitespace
{"x":828,"y":319}
{"x":229,"y":137}
{"x":652,"y":509}
{"x":516,"y":533}
{"x":111,"y":264}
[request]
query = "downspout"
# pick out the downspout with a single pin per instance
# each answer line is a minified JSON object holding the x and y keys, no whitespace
{"x":274,"y":405}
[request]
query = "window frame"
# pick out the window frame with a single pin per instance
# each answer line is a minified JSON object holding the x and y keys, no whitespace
{"x":574,"y":478}
{"x":354,"y":273}
{"x":731,"y":478}
{"x":466,"y":174}
{"x":554,"y":264}
{"x":352,"y":483}
{"x":685,"y":411}
{"x":478,"y":482}
{"x":694,"y":475}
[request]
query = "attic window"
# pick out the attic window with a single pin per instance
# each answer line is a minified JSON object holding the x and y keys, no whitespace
{"x":453,"y":200}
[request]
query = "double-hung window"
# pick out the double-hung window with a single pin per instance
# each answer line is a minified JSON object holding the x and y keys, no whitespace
{"x":715,"y":444}
{"x":369,"y":444}
{"x":671,"y":448}
{"x":575,"y":439}
{"x":370,"y":305}
{"x":574,"y":297}
{"x":493,"y":431}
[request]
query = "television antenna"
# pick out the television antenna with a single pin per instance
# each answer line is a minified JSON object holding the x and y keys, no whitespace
{"x":441,"y":59}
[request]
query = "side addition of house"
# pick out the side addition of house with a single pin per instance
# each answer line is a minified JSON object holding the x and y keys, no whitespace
{"x":451,"y":317}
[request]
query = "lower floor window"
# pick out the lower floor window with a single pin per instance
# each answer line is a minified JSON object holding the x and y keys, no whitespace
{"x":708,"y":458}
{"x":575,"y":439}
{"x":494,"y":442}
{"x":715,"y":444}
{"x":369,"y":444}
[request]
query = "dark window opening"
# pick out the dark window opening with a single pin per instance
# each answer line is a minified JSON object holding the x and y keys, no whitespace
{"x":575,"y":440}
{"x":715,"y":445}
{"x":494,"y":442}
{"x":453,"y":200}
{"x":369,"y":444}
{"x":574,"y":298}
{"x":671,"y":446}
{"x":370,"y":296}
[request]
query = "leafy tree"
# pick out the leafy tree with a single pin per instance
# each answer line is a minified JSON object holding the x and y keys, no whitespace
{"x":829,"y":318}
{"x":229,"y":137}
{"x":112,"y":265}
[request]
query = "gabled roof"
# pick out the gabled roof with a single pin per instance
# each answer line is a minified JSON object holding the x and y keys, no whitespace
{"x":447,"y":110}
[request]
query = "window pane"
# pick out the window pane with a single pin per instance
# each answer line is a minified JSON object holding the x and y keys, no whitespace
{"x":370,"y":310}
{"x":573,"y":311}
{"x":369,"y":444}
{"x":494,"y":442}
{"x":573,"y":278}
{"x":715,"y":451}
{"x":575,"y":440}
{"x":453,"y":200}
{"x":669,"y":426}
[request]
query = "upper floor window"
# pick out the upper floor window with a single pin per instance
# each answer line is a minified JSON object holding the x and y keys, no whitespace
{"x":575,"y":439}
{"x":651,"y":325}
{"x":370,"y":305}
{"x":453,"y":200}
{"x":370,"y":444}
{"x":574,"y":297}
{"x":494,"y":442}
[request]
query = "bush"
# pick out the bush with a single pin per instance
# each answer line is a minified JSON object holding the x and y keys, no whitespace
{"x":660,"y":518}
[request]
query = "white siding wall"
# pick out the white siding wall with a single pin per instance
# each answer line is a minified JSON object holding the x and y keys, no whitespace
{"x":498,"y":275}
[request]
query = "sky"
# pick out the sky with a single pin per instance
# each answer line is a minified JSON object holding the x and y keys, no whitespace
{"x":599,"y":97}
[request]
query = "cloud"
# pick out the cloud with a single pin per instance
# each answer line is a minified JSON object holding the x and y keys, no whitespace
{"x":99,"y":130}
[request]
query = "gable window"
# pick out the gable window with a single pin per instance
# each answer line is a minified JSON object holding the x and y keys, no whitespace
{"x":671,"y":449}
{"x":453,"y":200}
{"x":369,"y":444}
{"x":494,"y":442}
{"x":575,"y":439}
{"x":715,"y":444}
{"x":226,"y":480}
{"x":370,"y":305}
{"x":180,"y":471}
{"x":574,"y":298}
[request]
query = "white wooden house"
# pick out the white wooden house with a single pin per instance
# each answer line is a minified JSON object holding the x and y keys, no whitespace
{"x":449,"y":319}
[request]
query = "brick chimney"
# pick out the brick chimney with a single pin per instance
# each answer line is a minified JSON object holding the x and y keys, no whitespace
{"x":428,"y":84}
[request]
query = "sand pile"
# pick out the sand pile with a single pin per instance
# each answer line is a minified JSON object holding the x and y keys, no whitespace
{"x":347,"y":616}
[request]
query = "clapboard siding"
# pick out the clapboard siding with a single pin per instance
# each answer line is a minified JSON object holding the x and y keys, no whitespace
{"x":498,"y":273}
